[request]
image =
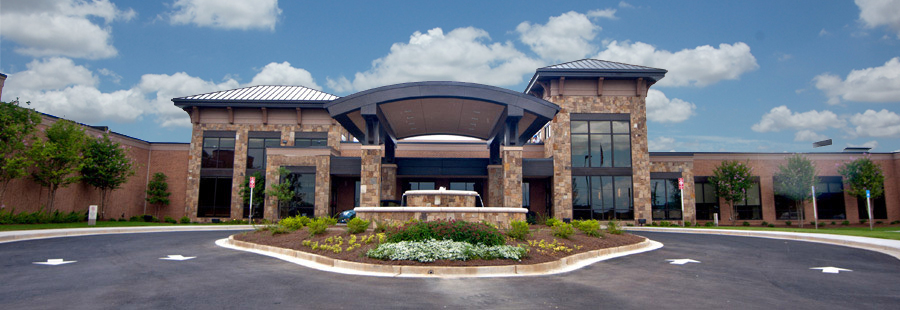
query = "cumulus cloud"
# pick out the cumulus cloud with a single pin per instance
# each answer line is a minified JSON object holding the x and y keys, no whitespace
{"x":661,"y":109}
{"x":808,"y":135}
{"x":625,"y":5}
{"x":870,"y":123}
{"x":61,"y":27}
{"x":564,"y":38}
{"x":878,"y":84}
{"x":606,"y":13}
{"x":875,"y":13}
{"x":781,"y":118}
{"x":226,"y":14}
{"x":463,"y":54}
{"x":661,"y":144}
{"x":284,"y":74}
{"x":700,"y":66}
{"x":52,"y":73}
{"x":870,"y":144}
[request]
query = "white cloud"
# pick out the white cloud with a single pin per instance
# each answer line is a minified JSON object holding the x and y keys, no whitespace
{"x":878,"y":84}
{"x":824,"y":32}
{"x":115,"y":78}
{"x":700,"y":66}
{"x":781,"y":118}
{"x":809,"y":135}
{"x":625,"y":5}
{"x":463,"y":54}
{"x":165,"y":87}
{"x":564,"y":38}
{"x":870,"y":144}
{"x":883,"y":123}
{"x":661,"y":109}
{"x":61,"y":27}
{"x":606,"y":13}
{"x":283,"y":74}
{"x":52,"y":73}
{"x":230,"y":14}
{"x":874,"y":13}
{"x":661,"y":144}
{"x":783,"y":56}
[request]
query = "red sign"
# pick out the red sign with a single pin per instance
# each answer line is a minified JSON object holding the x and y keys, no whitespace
{"x":680,"y":183}
{"x":252,"y":182}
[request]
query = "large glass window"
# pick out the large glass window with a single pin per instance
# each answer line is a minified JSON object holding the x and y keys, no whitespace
{"x":256,"y":151}
{"x":751,"y":207}
{"x":215,"y":197}
{"x":785,"y":208}
{"x":462,"y":186}
{"x":706,"y":202}
{"x":665,"y":199}
{"x":526,"y":195}
{"x":602,"y":197}
{"x":601,"y":144}
{"x":310,"y":142}
{"x":304,"y":187}
{"x":218,"y":153}
{"x":419,"y":186}
{"x":830,"y":198}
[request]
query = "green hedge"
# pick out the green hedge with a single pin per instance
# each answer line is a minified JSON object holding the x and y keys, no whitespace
{"x":461,"y":231}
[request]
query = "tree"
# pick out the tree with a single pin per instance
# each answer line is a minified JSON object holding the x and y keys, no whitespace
{"x":17,"y":125}
{"x":158,"y":191}
{"x":282,"y":191}
{"x":106,"y":166}
{"x":794,"y":180}
{"x":732,"y":180}
{"x":863,"y":174}
{"x":259,"y":192}
{"x":58,"y":158}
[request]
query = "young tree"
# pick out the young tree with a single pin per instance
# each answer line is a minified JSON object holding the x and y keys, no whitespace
{"x":282,"y":191}
{"x":794,"y":180}
{"x":58,"y":158}
{"x":17,"y":126}
{"x":106,"y":166}
{"x":158,"y":191}
{"x":732,"y":180}
{"x":863,"y":174}
{"x":259,"y":192}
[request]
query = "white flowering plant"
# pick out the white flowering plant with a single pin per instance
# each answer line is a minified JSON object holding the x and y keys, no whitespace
{"x":432,"y":250}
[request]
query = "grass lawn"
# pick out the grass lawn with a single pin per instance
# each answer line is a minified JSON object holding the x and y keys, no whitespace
{"x":85,"y":225}
{"x":883,"y":232}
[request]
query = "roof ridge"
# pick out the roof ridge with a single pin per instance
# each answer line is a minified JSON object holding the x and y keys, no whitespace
{"x":252,"y":88}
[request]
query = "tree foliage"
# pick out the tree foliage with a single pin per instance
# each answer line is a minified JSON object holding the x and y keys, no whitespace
{"x":158,"y":191}
{"x":17,"y":126}
{"x":732,"y":180}
{"x":862,"y":174}
{"x":106,"y":166}
{"x":259,"y":191}
{"x":281,"y":191}
{"x":58,"y":159}
{"x":794,"y":180}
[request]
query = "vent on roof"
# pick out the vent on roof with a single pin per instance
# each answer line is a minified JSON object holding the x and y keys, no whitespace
{"x":856,"y":149}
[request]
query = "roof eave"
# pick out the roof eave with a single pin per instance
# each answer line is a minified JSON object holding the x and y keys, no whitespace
{"x":213,"y":103}
{"x":653,"y":75}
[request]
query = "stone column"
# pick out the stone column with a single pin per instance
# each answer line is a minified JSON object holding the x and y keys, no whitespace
{"x":270,"y":208}
{"x":323,"y":186}
{"x":561,"y":151}
{"x":512,"y":176}
{"x":494,"y":186}
{"x":195,"y":157}
{"x":389,"y":182}
{"x":370,"y":175}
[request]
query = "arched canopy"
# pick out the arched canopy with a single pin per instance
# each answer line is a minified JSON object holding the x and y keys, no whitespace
{"x":455,"y":108}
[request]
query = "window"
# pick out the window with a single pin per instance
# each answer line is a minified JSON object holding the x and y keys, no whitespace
{"x":256,"y":151}
{"x":526,"y":195}
{"x":310,"y":142}
{"x":879,"y":208}
{"x":218,"y":153}
{"x":602,"y":197}
{"x":601,"y":144}
{"x":420,"y":186}
{"x":830,"y":198}
{"x":707,"y":204}
{"x":665,"y":199}
{"x":785,"y":208}
{"x":215,"y":197}
{"x":304,"y":187}
{"x":751,"y":207}
{"x":462,"y":186}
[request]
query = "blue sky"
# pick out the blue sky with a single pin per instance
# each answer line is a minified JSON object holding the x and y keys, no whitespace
{"x":744,"y":76}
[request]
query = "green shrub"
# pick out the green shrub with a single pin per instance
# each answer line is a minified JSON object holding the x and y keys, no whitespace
{"x":135,"y":219}
{"x":862,"y":221}
{"x":822,"y":224}
{"x":845,"y":223}
{"x":612,"y":227}
{"x":771,"y":225}
{"x":687,"y":223}
{"x":461,"y":231}
{"x":294,"y":222}
{"x":169,"y":220}
{"x":788,"y":223}
{"x":895,"y":222}
{"x":812,"y":222}
{"x":664,"y":224}
{"x":589,"y":227}
{"x":381,"y":227}
{"x":746,"y":223}
{"x":357,"y":225}
{"x":122,"y":219}
{"x":563,"y":230}
{"x":185,"y":220}
{"x":518,"y":230}
{"x":552,"y":222}
{"x":833,"y":223}
{"x":696,"y":224}
{"x":709,"y":224}
{"x":331,"y":221}
{"x":318,"y":226}
{"x":432,"y":250}
{"x":879,"y":222}
{"x":764,"y":223}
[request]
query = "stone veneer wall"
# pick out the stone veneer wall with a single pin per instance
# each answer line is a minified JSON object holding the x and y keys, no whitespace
{"x":389,"y":182}
{"x":322,"y":163}
{"x":430,"y":200}
{"x":512,"y":176}
{"x":686,"y":168}
{"x":501,"y":219}
{"x":240,"y":157}
{"x":494,"y":186}
{"x":370,"y":175}
{"x":558,"y":146}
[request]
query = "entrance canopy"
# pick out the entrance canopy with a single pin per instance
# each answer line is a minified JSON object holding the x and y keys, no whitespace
{"x":393,"y":112}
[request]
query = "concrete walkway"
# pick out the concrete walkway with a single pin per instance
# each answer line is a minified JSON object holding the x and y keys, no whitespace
{"x":889,"y":247}
{"x":19,"y":235}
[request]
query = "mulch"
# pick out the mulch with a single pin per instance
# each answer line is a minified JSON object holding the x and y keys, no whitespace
{"x":294,"y":239}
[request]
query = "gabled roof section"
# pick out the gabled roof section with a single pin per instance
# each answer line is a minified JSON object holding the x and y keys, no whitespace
{"x":259,"y":96}
{"x":596,"y":68}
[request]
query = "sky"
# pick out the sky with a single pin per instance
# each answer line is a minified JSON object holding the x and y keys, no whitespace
{"x":743,"y":76}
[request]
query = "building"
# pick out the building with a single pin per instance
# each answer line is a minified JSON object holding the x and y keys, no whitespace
{"x":573,"y":145}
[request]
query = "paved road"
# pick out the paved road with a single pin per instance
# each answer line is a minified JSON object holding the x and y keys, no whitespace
{"x":125,"y":272}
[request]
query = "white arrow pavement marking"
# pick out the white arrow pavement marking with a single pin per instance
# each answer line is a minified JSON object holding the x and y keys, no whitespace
{"x":54,"y":262}
{"x":178,"y":257}
{"x":831,"y":269}
{"x":681,"y":261}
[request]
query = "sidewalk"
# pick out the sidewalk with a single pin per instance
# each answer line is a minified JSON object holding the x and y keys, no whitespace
{"x":889,"y":247}
{"x":19,"y":235}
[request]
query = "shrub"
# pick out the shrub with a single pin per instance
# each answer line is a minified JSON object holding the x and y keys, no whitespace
{"x":746,"y":223}
{"x":318,"y":226}
{"x":612,"y":227}
{"x":169,"y":220}
{"x":329,"y":220}
{"x":845,"y":223}
{"x":381,"y":227}
{"x":687,"y":223}
{"x":135,"y":219}
{"x":563,"y":230}
{"x":788,"y":223}
{"x":357,"y":225}
{"x":862,"y":221}
{"x":518,"y":230}
{"x":879,"y":222}
{"x":895,"y":222}
{"x":185,"y":220}
{"x":812,"y":222}
{"x":294,"y":223}
{"x":431,"y":250}
{"x":822,"y":224}
{"x":461,"y":231}
{"x":664,"y":224}
{"x":709,"y":224}
{"x":552,"y":222}
{"x":589,"y":227}
{"x":764,"y":223}
{"x":833,"y":223}
{"x":771,"y":225}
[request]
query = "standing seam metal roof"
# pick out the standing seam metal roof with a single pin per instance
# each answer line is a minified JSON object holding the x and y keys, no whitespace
{"x":596,"y":64}
{"x":266,"y":93}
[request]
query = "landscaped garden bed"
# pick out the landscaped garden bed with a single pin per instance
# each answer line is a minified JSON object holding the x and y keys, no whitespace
{"x":426,"y":240}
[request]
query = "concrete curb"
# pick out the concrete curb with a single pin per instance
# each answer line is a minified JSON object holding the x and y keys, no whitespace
{"x":22,"y":235}
{"x":319,"y":262}
{"x":889,"y":247}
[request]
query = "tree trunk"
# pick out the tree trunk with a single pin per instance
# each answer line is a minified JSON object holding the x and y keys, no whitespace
{"x":157,"y":210}
{"x":50,"y":198}
{"x":733,"y":214}
{"x":799,"y":206}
